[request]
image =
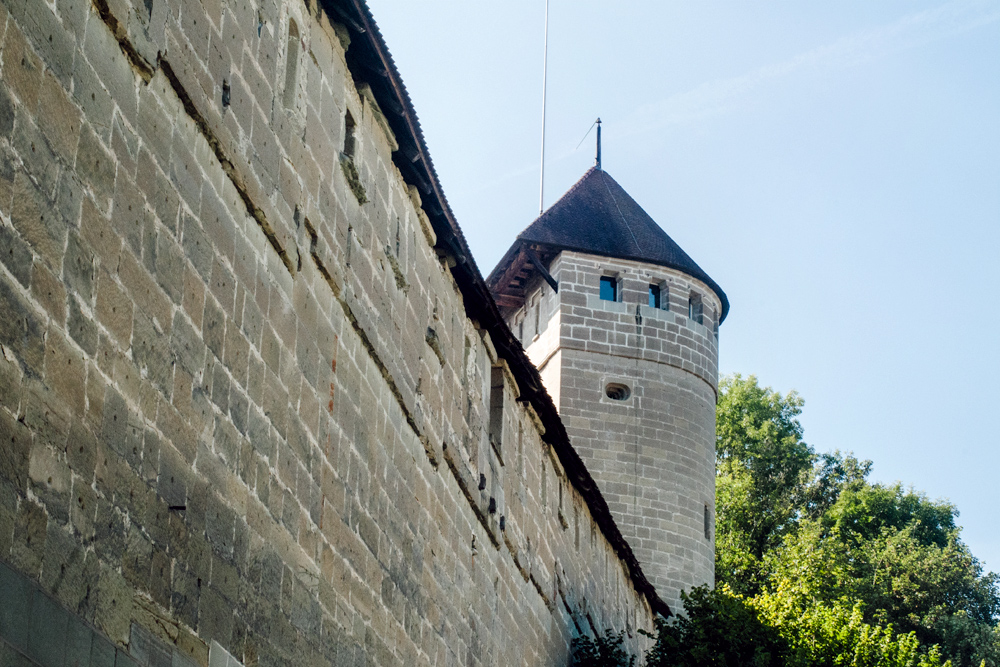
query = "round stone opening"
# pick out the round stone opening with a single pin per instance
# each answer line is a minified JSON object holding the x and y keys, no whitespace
{"x":617,"y":391}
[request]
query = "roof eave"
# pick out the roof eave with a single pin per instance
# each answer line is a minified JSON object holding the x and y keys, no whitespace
{"x":413,"y":160}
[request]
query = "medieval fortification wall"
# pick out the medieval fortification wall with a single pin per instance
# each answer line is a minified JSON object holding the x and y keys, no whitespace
{"x":650,"y":449}
{"x":245,"y":415}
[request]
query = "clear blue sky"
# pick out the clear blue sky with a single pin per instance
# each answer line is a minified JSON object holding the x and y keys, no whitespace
{"x":834,"y":166}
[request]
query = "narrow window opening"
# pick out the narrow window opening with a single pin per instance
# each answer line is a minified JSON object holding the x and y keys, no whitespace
{"x":466,"y":379}
{"x":520,"y":449}
{"x":496,"y":410}
{"x":609,"y":288}
{"x":695,"y":309}
{"x":291,"y":64}
{"x":350,"y":243}
{"x":520,"y":330}
{"x":350,"y":141}
{"x":708,"y":523}
{"x":538,"y":315}
{"x":654,"y":296}
{"x":545,"y":484}
{"x":576,"y":527}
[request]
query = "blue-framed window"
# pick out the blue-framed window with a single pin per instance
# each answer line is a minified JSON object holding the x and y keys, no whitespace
{"x":609,"y":288}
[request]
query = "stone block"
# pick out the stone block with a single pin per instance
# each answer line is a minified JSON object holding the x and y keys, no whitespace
{"x":47,"y":631}
{"x":22,"y":69}
{"x":215,"y":616}
{"x":114,"y":310}
{"x":159,"y":191}
{"x":147,"y":296}
{"x":151,"y":352}
{"x":123,"y":659}
{"x":148,"y":650}
{"x":96,"y":166}
{"x":187,"y":345}
{"x":28,"y":547}
{"x":102,"y":652}
{"x":15,"y":255}
{"x":65,"y":372}
{"x":49,"y":291}
{"x":115,"y":422}
{"x":114,"y":606}
{"x":79,"y":643}
{"x":155,"y":126}
{"x":14,"y":455}
{"x":112,"y":68}
{"x":51,"y":481}
{"x":96,"y":229}
{"x":59,"y":119}
{"x":129,"y":216}
{"x":185,"y":597}
{"x":55,"y":45}
{"x":81,"y":328}
{"x":11,"y":377}
{"x":125,"y":146}
{"x":198,"y":248}
{"x":15,"y":613}
{"x":36,"y":222}
{"x":6,"y":113}
{"x":218,"y":223}
{"x":160,"y":577}
{"x":83,"y":509}
{"x":93,"y":98}
{"x":170,"y":266}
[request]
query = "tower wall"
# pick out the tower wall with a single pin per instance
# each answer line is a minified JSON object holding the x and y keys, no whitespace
{"x":652,"y":454}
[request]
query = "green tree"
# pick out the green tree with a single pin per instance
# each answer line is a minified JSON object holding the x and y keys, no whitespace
{"x":607,"y":650}
{"x":848,"y":571}
{"x":898,"y":556}
{"x":717,"y":628}
{"x":763,"y":468}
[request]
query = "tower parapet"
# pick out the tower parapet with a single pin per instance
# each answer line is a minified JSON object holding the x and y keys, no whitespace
{"x":623,"y":326}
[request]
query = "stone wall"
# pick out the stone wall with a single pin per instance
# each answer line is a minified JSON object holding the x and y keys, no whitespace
{"x":242,"y":404}
{"x":652,"y":454}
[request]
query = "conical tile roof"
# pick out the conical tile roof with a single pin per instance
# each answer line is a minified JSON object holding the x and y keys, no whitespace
{"x":598,"y":217}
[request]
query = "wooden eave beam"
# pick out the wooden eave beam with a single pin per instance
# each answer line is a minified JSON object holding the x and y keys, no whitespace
{"x":537,"y":263}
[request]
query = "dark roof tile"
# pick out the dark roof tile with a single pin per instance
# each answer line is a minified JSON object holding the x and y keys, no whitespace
{"x":598,"y":217}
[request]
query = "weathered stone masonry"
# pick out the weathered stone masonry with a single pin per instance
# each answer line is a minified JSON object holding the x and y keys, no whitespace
{"x":246,"y":402}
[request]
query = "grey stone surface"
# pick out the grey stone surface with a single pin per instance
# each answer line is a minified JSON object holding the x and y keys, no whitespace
{"x":653,"y":455}
{"x":226,"y":423}
{"x":15,"y":612}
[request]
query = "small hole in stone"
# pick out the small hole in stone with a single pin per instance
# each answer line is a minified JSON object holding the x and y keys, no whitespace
{"x":617,"y":392}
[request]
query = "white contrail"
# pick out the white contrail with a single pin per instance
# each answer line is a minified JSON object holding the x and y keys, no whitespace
{"x":723,"y":95}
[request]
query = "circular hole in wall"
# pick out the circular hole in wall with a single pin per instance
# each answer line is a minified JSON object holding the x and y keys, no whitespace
{"x":617,"y":391}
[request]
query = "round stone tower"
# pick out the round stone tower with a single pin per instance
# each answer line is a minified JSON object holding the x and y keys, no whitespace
{"x":623,"y":326}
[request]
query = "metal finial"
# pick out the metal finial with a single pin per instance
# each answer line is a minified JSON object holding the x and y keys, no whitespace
{"x":597,"y":162}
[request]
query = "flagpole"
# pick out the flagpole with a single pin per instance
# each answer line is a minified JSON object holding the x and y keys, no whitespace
{"x":545,"y":67}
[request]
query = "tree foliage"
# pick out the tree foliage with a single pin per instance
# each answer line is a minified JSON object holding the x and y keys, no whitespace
{"x":607,"y":650}
{"x":835,"y":561}
{"x":818,"y":566}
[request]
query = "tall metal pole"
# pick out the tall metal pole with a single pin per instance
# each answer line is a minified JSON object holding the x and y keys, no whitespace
{"x":545,"y":68}
{"x":597,"y":160}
